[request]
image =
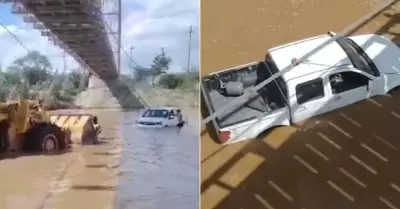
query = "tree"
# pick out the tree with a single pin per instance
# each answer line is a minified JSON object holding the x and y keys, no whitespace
{"x":160,"y":66}
{"x":34,"y":67}
{"x":11,"y":78}
{"x":170,"y":81}
{"x":74,"y":77}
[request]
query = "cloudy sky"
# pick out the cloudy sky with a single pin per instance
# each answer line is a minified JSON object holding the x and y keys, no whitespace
{"x":147,"y":25}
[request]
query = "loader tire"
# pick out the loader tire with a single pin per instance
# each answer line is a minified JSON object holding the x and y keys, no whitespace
{"x":4,"y":139}
{"x":47,"y":138}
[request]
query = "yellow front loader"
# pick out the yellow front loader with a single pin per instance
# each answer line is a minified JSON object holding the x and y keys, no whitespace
{"x":26,"y":126}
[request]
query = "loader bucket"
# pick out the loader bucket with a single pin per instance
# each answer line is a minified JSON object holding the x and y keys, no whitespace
{"x":80,"y":128}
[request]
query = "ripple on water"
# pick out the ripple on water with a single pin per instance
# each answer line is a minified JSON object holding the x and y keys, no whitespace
{"x":160,"y":167}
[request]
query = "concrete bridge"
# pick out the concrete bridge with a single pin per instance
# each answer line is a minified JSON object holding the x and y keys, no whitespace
{"x":79,"y":28}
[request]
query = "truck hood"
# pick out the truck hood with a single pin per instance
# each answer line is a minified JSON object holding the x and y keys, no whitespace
{"x":384,"y":53}
{"x":150,"y":119}
{"x":386,"y":56}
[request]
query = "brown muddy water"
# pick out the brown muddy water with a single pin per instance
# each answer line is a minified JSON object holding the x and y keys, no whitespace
{"x":345,"y":159}
{"x":131,"y":169}
{"x":160,"y":166}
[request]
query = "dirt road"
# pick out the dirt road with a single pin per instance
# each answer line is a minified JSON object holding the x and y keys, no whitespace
{"x":342,"y":160}
{"x":69,"y":180}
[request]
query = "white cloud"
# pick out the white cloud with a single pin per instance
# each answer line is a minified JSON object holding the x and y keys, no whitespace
{"x":31,"y":40}
{"x":147,"y":25}
{"x":163,"y":24}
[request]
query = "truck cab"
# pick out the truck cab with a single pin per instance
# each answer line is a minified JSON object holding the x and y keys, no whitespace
{"x":335,"y":74}
{"x":161,"y":117}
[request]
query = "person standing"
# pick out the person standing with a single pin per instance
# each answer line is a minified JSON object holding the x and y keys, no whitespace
{"x":180,"y":118}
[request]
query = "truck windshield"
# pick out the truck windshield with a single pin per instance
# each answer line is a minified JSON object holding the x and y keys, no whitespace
{"x":155,"y":114}
{"x":357,"y":56}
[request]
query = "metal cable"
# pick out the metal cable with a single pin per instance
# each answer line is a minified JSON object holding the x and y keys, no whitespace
{"x":20,"y":73}
{"x":123,"y":49}
{"x":15,"y":37}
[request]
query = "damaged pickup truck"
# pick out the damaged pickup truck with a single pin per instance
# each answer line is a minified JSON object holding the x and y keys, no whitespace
{"x":341,"y":73}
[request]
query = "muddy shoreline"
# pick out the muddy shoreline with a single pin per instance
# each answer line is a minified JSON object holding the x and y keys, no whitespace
{"x":68,"y":180}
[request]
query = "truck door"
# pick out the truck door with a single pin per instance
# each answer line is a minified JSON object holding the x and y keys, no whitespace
{"x":349,"y":87}
{"x":310,"y":100}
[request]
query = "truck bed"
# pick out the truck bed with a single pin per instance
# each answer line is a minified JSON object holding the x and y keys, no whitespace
{"x":271,"y":97}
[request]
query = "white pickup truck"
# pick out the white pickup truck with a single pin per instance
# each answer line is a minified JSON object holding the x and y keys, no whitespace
{"x":343,"y":72}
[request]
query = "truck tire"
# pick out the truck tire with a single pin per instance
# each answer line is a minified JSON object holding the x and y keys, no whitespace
{"x":4,"y":139}
{"x":47,"y":138}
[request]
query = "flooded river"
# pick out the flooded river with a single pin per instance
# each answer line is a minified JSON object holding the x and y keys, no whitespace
{"x":160,"y":167}
{"x":338,"y":160}
{"x":131,"y":168}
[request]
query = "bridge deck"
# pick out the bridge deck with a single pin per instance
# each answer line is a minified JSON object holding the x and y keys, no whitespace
{"x":77,"y":27}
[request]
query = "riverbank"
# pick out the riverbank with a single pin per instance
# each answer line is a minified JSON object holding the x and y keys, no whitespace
{"x":188,"y":101}
{"x":89,"y":172}
{"x":69,"y":180}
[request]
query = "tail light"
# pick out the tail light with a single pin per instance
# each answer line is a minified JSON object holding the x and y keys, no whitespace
{"x":224,"y":136}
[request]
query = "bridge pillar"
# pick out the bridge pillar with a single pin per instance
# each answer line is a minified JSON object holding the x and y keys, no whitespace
{"x":108,"y":93}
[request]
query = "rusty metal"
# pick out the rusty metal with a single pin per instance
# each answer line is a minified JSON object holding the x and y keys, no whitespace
{"x":119,"y":34}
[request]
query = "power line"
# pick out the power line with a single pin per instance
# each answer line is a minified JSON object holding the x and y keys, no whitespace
{"x":130,"y":64}
{"x":122,"y":48}
{"x":189,"y":48}
{"x":24,"y":46}
{"x":15,"y":37}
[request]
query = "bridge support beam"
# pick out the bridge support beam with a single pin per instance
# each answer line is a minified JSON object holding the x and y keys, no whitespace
{"x":110,"y":93}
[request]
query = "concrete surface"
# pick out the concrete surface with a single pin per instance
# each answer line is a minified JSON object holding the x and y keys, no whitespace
{"x":160,"y":97}
{"x":111,"y":93}
{"x":346,"y":159}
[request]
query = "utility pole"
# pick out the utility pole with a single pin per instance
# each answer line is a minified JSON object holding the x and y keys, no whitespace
{"x":189,"y":48}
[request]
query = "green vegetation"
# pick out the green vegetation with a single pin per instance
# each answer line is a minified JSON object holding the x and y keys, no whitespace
{"x":33,"y":77}
{"x":158,"y":74}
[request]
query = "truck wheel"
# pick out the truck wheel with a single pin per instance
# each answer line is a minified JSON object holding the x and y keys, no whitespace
{"x":4,"y":143}
{"x":47,"y":138}
{"x":4,"y":139}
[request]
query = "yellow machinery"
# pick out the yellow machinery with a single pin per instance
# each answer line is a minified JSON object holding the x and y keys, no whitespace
{"x":25,"y":125}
